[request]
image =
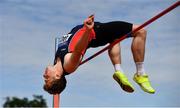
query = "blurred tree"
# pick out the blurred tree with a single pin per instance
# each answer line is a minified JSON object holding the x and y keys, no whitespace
{"x":38,"y":101}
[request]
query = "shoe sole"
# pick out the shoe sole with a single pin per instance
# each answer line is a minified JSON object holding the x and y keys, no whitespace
{"x":124,"y":87}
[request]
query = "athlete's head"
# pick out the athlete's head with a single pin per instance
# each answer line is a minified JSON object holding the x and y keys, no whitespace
{"x":55,"y":81}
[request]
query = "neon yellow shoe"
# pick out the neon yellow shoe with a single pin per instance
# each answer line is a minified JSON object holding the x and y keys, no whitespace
{"x":144,"y":83}
{"x":123,"y":81}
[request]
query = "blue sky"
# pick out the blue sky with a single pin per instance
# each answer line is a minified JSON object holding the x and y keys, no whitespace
{"x":27,"y":32}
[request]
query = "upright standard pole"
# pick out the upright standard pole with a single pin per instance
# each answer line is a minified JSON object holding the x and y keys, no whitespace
{"x":56,"y":101}
{"x":56,"y":97}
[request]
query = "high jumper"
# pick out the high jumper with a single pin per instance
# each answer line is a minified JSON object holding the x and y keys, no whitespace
{"x":73,"y":46}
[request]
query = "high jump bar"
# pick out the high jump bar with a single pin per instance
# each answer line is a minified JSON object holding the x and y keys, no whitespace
{"x":56,"y":97}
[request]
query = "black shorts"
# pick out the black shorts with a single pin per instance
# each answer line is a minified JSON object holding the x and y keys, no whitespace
{"x":108,"y":32}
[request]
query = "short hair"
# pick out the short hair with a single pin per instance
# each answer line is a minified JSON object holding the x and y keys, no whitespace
{"x":57,"y":86}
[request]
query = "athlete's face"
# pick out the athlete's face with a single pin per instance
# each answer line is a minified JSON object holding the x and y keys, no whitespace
{"x":50,"y":74}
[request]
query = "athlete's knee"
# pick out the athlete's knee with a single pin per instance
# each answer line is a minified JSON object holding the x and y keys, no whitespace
{"x":141,"y":33}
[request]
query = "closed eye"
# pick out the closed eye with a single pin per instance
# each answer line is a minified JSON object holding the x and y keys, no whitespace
{"x":57,"y":75}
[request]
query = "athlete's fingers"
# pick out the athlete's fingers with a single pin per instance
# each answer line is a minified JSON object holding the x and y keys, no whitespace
{"x":88,"y":21}
{"x":91,"y":17}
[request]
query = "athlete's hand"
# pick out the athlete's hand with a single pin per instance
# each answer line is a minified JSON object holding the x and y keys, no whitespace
{"x":89,"y":22}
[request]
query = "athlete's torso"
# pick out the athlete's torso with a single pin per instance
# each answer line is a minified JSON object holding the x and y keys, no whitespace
{"x":104,"y":33}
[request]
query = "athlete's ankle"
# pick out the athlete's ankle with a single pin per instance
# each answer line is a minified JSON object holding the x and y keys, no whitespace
{"x":140,"y":68}
{"x":117,"y":67}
